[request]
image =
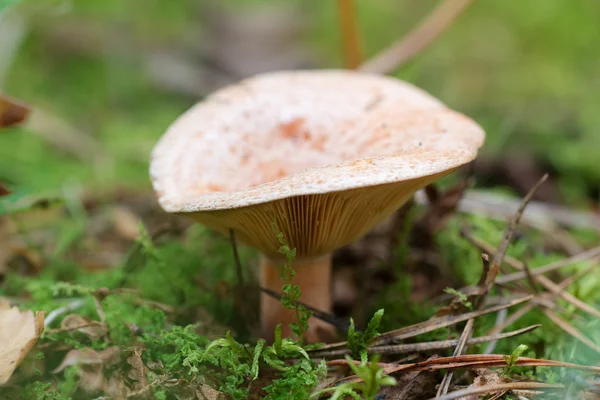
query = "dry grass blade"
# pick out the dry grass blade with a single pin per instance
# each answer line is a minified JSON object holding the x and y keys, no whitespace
{"x":430,"y":325}
{"x":591,"y":255}
{"x":510,"y":230}
{"x":426,"y":346}
{"x":350,"y":33}
{"x":530,"y":279}
{"x":442,"y":344}
{"x":507,"y":322}
{"x":489,"y":276}
{"x":570,"y":329}
{"x":528,"y":307}
{"x":469,"y":361}
{"x":547,"y":283}
{"x":340,"y":324}
{"x":499,"y":388}
{"x":441,"y":322}
{"x":575,"y":277}
{"x":424,"y":34}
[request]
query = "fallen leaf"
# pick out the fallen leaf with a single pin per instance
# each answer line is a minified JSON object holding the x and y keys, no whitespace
{"x":19,"y":331}
{"x":115,"y":388}
{"x":137,"y":374}
{"x":91,"y":379}
{"x":413,"y":385}
{"x":87,"y":356}
{"x":75,"y":322}
{"x":4,"y":190}
{"x":205,"y":392}
{"x":484,"y":377}
{"x":11,"y":112}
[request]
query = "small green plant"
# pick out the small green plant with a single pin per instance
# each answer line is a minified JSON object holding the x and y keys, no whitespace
{"x":460,"y":297}
{"x":297,"y":382}
{"x":511,"y":360}
{"x":358,"y":342}
{"x":41,"y":391}
{"x":372,"y":379}
{"x":241,"y":364}
{"x":291,"y":292}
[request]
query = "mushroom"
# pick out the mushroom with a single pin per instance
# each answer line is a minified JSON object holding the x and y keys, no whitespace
{"x":327,"y":154}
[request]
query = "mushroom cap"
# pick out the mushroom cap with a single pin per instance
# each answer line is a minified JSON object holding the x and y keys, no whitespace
{"x":326,"y":153}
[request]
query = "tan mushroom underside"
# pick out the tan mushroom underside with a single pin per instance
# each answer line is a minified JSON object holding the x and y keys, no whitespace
{"x":314,"y":224}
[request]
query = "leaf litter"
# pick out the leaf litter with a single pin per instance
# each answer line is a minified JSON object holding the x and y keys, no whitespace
{"x":19,"y":332}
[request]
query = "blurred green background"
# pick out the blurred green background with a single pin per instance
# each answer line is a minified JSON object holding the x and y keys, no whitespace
{"x":109,"y":76}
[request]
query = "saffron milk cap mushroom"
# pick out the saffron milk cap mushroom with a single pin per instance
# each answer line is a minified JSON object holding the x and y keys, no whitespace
{"x":327,"y":154}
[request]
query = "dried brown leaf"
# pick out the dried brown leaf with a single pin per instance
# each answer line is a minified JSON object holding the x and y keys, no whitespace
{"x":137,"y":374}
{"x":11,"y":112}
{"x":413,"y":386}
{"x":87,"y":356}
{"x":75,"y":322}
{"x":91,"y":379}
{"x":484,"y":377}
{"x":19,"y":331}
{"x":115,"y":388}
{"x":514,"y":386}
{"x":4,"y":190}
{"x":205,"y":392}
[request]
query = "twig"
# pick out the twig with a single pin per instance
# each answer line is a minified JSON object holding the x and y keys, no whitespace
{"x":576,"y":276}
{"x":418,"y":39}
{"x":472,"y":361}
{"x":547,"y":283}
{"x":591,"y":254}
{"x":510,"y":230}
{"x":236,"y":258}
{"x":340,"y":324}
{"x":507,"y":322}
{"x":500,"y":321}
{"x":349,"y":33}
{"x":464,"y":393}
{"x":430,"y":325}
{"x":426,"y":346}
{"x":530,"y":279}
{"x":528,"y":307}
{"x":489,"y":278}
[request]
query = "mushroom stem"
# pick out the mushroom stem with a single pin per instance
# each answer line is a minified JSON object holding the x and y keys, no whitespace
{"x":313,"y":275}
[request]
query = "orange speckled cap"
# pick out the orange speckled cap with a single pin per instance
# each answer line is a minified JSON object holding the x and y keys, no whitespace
{"x":328,"y":153}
